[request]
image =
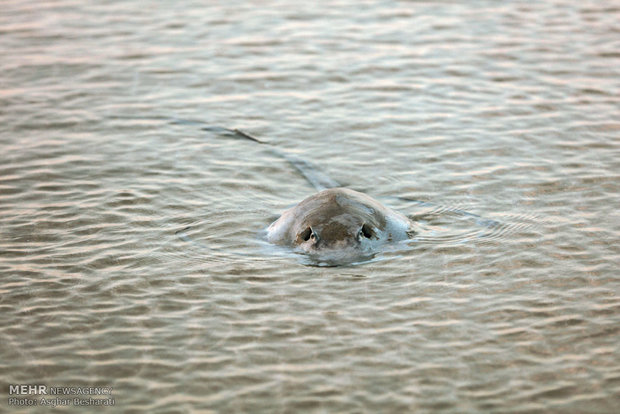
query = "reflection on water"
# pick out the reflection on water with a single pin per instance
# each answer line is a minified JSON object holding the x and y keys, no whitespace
{"x":131,"y":248}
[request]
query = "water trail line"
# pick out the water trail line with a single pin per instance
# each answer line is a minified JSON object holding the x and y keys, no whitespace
{"x":439,"y":223}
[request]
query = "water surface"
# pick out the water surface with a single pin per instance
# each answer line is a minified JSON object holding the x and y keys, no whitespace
{"x":505,"y":110}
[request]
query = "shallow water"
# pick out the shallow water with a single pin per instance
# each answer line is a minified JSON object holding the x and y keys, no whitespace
{"x":506,"y":111}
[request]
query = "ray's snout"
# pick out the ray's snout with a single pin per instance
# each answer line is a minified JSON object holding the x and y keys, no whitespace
{"x":334,"y":236}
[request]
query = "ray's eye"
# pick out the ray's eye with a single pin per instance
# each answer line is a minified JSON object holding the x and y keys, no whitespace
{"x":366,"y":231}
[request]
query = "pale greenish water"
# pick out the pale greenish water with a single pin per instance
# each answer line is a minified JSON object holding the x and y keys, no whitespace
{"x":507,"y":110}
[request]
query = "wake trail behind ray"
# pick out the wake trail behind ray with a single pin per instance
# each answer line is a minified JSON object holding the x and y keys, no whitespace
{"x":309,"y":171}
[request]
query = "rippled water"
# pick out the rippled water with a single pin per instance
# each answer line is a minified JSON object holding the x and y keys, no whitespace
{"x":508,"y":111}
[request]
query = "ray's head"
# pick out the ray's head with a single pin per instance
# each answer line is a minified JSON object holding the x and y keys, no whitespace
{"x":337,"y":228}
